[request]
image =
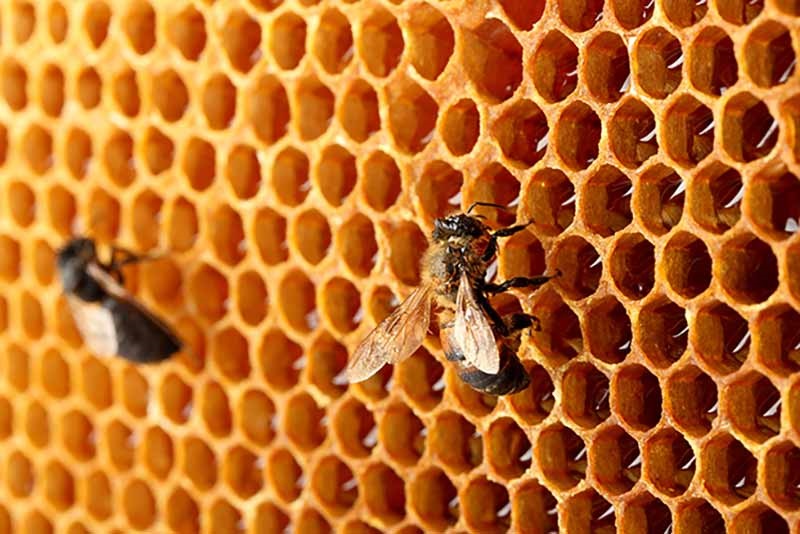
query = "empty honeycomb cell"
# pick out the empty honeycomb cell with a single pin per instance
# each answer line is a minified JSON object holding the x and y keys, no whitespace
{"x":43,"y":259}
{"x":36,"y":522}
{"x":534,"y":403}
{"x":522,"y":255}
{"x":456,"y":443}
{"x":14,"y":84}
{"x":135,"y":392}
{"x":89,"y":88}
{"x":749,"y":131}
{"x":327,"y":359}
{"x":560,"y":338}
{"x":158,"y":452}
{"x":773,"y":196}
{"x":768,"y":54}
{"x":508,"y":449}
{"x":77,"y":435}
{"x":434,"y":499}
{"x":698,"y":514}
{"x":230,"y":352}
{"x":669,"y":462}
{"x":336,"y":174}
{"x":659,"y":58}
{"x":421,"y":377}
{"x":6,"y":418}
{"x":758,"y":518}
{"x":607,"y":207}
{"x":662,"y":331}
{"x":10,"y":258}
{"x":522,"y":133}
{"x":357,"y":246}
{"x":61,"y":210}
{"x":288,"y":40}
{"x":431,"y":38}
{"x":495,"y":185}
{"x":199,"y":463}
{"x":57,"y":22}
{"x":777,"y":339}
{"x":692,"y":400}
{"x":486,"y":506}
{"x":402,"y":434}
{"x":256,"y":414}
{"x":78,"y":152}
{"x":589,"y":512}
{"x":224,"y":517}
{"x":729,"y":470}
{"x":55,"y":376}
{"x":615,"y":460}
{"x":747,"y":269}
{"x":636,"y":397}
{"x":439,"y":189}
{"x":120,"y":442}
{"x":412,"y":115}
{"x":187,"y":32}
{"x":270,"y":518}
{"x":159,"y":151}
{"x":470,"y":400}
{"x":118,"y":158}
{"x":20,"y":476}
{"x":492,"y":58}
{"x":22,"y":203}
{"x":580,"y":265}
{"x":170,"y":95}
{"x":580,"y":16}
{"x":632,"y":265}
{"x":227,"y":235}
{"x":586,"y":395}
{"x":740,"y":12}
{"x":354,"y":428}
{"x":37,"y":147}
{"x":252,"y":298}
{"x":219,"y":101}
{"x":407,"y":244}
{"x":280,"y":361}
{"x":659,"y":199}
{"x":555,"y":67}
{"x":285,"y":475}
{"x":381,"y":181}
{"x":561,"y":455}
{"x":753,"y":406}
{"x":341,"y":304}
{"x":96,"y":383}
{"x":290,"y":176}
{"x":139,"y":25}
{"x":269,"y":228}
{"x":309,"y":520}
{"x":781,"y":470}
{"x":125,"y":90}
{"x":139,"y":504}
{"x":96,"y":19}
{"x":717,"y":192}
{"x":645,"y":513}
{"x":607,"y":67}
{"x":312,"y":235}
{"x":534,"y":507}
{"x":523,"y":14}
{"x":550,"y":197}
{"x":208,"y":292}
{"x":241,"y":471}
{"x":304,"y":422}
{"x":333,"y":483}
{"x":241,"y":39}
{"x":384,"y":494}
{"x":146,"y":215}
{"x":460,"y":127}
{"x":315,"y":104}
{"x":98,"y":494}
{"x":632,"y":133}
{"x":181,"y":511}
{"x":24,"y":18}
{"x":687,"y":265}
{"x":215,"y":409}
{"x":577,"y":136}
{"x":51,"y":90}
{"x":17,"y":369}
{"x":691,"y":127}
{"x":59,"y":485}
{"x":33,"y":320}
{"x":176,"y":398}
{"x":712,"y":66}
{"x":333,"y":41}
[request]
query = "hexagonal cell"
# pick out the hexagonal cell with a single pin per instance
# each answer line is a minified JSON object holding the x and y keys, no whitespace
{"x":135,"y":392}
{"x":341,"y":305}
{"x":432,"y":41}
{"x":14,"y":84}
{"x":77,"y":435}
{"x":508,"y":448}
{"x":749,"y":131}
{"x":588,"y":512}
{"x":691,"y":400}
{"x":120,"y":442}
{"x":486,"y":506}
{"x":333,"y":41}
{"x":608,"y":67}
{"x":32,"y":316}
{"x":7,"y":417}
{"x":170,"y":95}
{"x":717,"y":191}
{"x":695,"y":515}
{"x":269,"y":518}
{"x":455,"y":442}
{"x":769,"y":56}
{"x":636,"y":397}
{"x":580,"y":16}
{"x":522,"y":133}
{"x":139,"y":25}
{"x":645,"y":513}
{"x":550,"y":199}
{"x":773,"y":197}
{"x":199,"y":463}
{"x":241,"y":471}
{"x":224,"y":517}
{"x":36,"y":521}
{"x":183,"y":225}
{"x":187,"y":32}
{"x":10,"y":258}
{"x":334,"y":485}
{"x":358,"y":111}
{"x":687,"y":265}
{"x":439,"y":189}
{"x":182,"y":513}
{"x":380,"y":181}
{"x":632,"y":133}
{"x":662,"y":331}
{"x":354,"y":428}
{"x":285,"y":476}
{"x":159,"y":151}
{"x":219,"y":101}
{"x":580,"y":265}
{"x":290,"y":176}
{"x":51,"y":90}
{"x":381,"y":42}
{"x":208,"y":292}
{"x":335,"y":174}
{"x":356,"y":243}
{"x":403,"y":435}
{"x":434,"y":499}
{"x":54,"y":376}
{"x":720,"y":337}
{"x":215,"y":409}
{"x":607,"y":207}
{"x":492,"y":58}
{"x":659,"y":58}
{"x":712,"y":66}
{"x":407,"y":244}
{"x":95,"y":22}
{"x":747,"y":269}
{"x":17,"y":367}
{"x":199,"y":162}
{"x":57,"y":22}
{"x":534,"y":507}
{"x":460,"y":127}
{"x":78,"y":152}
{"x":758,"y":518}
{"x":691,"y":127}
{"x":632,"y":264}
{"x":268,"y":113}
{"x":146,"y":218}
{"x":781,"y":465}
{"x":522,"y":255}
{"x":176,"y":398}
{"x":19,"y":475}
{"x":315,"y":108}
{"x":305,"y":422}
{"x":230,"y":353}
{"x":412,"y":115}
{"x":585,"y":393}
{"x":98,"y":495}
{"x":729,"y":470}
{"x":158,"y":452}
{"x":669,"y":462}
{"x":288,"y":40}
{"x":384,"y":494}
{"x":495,"y":185}
{"x":555,"y":67}
{"x":297,"y":301}
{"x":327,"y":359}
{"x":777,"y":339}
{"x":37,"y":148}
{"x":578,"y":131}
{"x":269,"y":229}
{"x":241,"y":38}
{"x":560,"y":338}
{"x":615,"y":460}
{"x":561,"y":455}
{"x":256,"y":417}
{"x":534,"y":403}
{"x":753,"y":406}
{"x":309,"y":520}
{"x":252,"y":298}
{"x":243,"y":171}
{"x":125,"y":91}
{"x":658,"y":201}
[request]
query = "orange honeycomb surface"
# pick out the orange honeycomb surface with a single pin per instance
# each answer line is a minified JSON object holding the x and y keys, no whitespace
{"x":290,"y":157}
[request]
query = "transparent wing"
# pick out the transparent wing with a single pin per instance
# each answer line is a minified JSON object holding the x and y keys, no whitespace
{"x":394,"y":339}
{"x":473,"y":336}
{"x":95,"y":324}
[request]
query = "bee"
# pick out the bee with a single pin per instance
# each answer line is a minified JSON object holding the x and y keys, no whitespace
{"x":481,"y":343}
{"x":107,"y":316}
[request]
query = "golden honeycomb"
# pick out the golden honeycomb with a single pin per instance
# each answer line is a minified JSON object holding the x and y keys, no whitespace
{"x":288,"y":158}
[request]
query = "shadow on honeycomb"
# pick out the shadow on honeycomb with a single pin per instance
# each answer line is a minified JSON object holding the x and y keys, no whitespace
{"x":291,"y":157}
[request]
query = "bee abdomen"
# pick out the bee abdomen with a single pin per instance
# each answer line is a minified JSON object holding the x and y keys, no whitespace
{"x":511,"y":378}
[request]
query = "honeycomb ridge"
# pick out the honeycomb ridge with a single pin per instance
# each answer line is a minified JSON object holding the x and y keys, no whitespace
{"x":291,"y":156}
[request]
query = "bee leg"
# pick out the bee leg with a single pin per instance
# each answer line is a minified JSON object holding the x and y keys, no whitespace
{"x":521,"y":321}
{"x":517,"y":281}
{"x":491,"y":249}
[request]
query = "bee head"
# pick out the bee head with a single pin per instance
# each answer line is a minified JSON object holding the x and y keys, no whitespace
{"x":72,"y":259}
{"x":458,"y":226}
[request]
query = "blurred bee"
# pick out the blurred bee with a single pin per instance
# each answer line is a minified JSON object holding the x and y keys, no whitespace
{"x":474,"y":337}
{"x":108,"y":317}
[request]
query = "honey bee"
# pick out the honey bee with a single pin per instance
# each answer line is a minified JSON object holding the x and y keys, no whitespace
{"x":107,"y":316}
{"x":481,"y":343}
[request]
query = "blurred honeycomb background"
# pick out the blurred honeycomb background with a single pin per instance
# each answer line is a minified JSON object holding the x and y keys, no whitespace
{"x":290,"y":157}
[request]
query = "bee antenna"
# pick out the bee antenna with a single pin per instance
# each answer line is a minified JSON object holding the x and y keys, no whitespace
{"x":486,"y":205}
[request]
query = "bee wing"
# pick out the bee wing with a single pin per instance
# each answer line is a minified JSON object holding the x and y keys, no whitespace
{"x":96,"y":325}
{"x":394,"y":339}
{"x":472,"y":334}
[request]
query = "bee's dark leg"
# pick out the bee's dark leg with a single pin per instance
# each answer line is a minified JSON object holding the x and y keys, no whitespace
{"x":517,"y":281}
{"x":491,"y":249}
{"x":521,"y":321}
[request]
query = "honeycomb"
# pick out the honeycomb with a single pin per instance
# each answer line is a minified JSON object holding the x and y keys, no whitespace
{"x":286,"y":159}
